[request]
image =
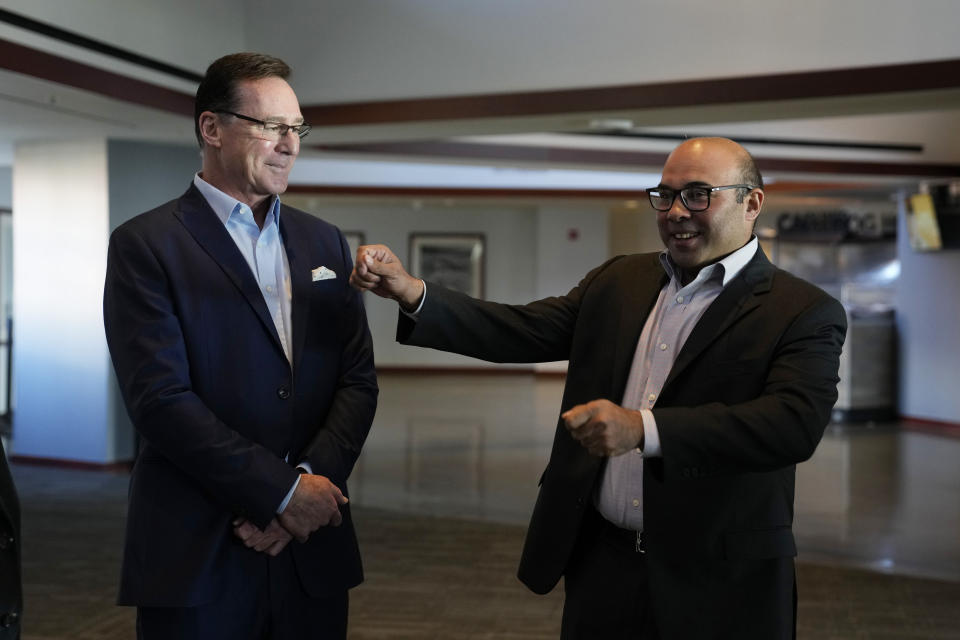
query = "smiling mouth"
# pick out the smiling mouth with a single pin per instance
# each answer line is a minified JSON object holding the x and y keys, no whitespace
{"x":686,"y":235}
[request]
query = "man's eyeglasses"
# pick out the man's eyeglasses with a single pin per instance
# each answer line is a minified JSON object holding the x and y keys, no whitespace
{"x":695,"y":198}
{"x":274,"y":131}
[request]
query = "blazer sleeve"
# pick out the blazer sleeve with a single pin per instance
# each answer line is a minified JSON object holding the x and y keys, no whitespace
{"x":541,"y":331}
{"x":335,"y":448}
{"x":783,"y":423}
{"x":146,"y":344}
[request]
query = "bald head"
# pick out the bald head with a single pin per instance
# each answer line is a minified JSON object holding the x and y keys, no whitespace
{"x":696,"y":239}
{"x":722,"y":153}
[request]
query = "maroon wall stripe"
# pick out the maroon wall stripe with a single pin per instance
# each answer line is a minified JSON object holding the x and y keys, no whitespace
{"x":463,"y":192}
{"x":885,"y":79}
{"x":541,"y":194}
{"x":72,"y":37}
{"x":847,"y":167}
{"x":123,"y":466}
{"x":937,"y":427}
{"x":633,"y":159}
{"x":46,"y":66}
{"x":836,"y":83}
{"x":520,"y":153}
{"x":859,"y":81}
{"x":427,"y":370}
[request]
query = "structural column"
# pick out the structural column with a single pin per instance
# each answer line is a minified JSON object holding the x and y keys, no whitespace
{"x":67,"y":197}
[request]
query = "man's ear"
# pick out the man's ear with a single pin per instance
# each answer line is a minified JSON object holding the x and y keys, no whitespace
{"x":754,"y":204}
{"x":210,"y":129}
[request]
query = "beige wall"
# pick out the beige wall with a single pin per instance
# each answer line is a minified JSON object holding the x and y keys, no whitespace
{"x":529,"y":253}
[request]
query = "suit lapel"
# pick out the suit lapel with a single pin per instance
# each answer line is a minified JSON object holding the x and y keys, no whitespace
{"x":639,"y":296}
{"x":737,"y":299}
{"x":298,"y":257}
{"x":209,"y":232}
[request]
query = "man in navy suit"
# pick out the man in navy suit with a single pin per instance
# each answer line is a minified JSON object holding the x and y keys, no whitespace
{"x":698,"y":378}
{"x":246,"y":365}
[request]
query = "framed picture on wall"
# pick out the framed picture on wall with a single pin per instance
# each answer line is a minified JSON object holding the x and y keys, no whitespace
{"x":453,"y":260}
{"x":354,"y":240}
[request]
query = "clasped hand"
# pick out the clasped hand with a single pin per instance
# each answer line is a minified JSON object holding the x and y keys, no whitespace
{"x":315,"y":503}
{"x":604,"y":428}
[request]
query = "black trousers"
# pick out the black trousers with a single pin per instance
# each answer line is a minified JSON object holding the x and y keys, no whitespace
{"x":607,"y":595}
{"x":268,"y":603}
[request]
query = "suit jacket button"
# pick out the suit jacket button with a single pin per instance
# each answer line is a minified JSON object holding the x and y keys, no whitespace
{"x":283,"y":392}
{"x":8,"y":619}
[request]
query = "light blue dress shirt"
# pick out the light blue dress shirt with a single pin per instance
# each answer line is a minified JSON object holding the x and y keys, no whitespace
{"x":263,"y":250}
{"x":619,"y":497}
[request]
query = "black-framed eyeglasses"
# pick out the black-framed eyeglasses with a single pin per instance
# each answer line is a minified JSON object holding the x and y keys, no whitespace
{"x":272,"y":130}
{"x":694,"y":198}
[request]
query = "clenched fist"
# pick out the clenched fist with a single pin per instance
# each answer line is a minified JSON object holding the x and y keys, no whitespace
{"x":604,"y":428}
{"x":378,"y":270}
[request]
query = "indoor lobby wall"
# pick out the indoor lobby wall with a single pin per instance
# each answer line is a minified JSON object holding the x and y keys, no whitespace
{"x":179,"y":32}
{"x":928,"y":305}
{"x":68,"y":197}
{"x":530,"y":253}
{"x":60,"y":255}
{"x":442,"y":48}
{"x":436,"y":47}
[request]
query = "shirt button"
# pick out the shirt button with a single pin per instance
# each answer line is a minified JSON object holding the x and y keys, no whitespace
{"x":269,"y":289}
{"x":652,"y":397}
{"x":636,"y":502}
{"x":679,"y":298}
{"x":663,"y":346}
{"x":283,"y":393}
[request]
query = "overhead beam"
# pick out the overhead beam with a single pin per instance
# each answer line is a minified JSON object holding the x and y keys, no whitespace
{"x":941,"y":75}
{"x":579,"y":156}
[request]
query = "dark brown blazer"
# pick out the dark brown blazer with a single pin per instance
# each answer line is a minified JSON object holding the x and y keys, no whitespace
{"x":748,"y":397}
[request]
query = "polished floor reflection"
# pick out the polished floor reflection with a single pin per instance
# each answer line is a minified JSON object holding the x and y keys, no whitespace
{"x":441,"y":498}
{"x":474,"y":446}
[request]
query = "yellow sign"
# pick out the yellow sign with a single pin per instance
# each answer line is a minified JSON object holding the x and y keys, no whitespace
{"x":922,"y":223}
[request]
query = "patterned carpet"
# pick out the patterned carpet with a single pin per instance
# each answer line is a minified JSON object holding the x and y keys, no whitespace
{"x":427,"y":577}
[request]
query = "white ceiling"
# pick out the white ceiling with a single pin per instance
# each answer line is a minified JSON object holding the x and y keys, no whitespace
{"x":33,"y":109}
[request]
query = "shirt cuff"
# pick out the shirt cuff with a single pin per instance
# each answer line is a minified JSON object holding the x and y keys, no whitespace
{"x":283,"y":505}
{"x":415,"y":314}
{"x":651,"y":437}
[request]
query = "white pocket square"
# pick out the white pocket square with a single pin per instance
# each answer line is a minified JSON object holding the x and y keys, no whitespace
{"x":322,"y":273}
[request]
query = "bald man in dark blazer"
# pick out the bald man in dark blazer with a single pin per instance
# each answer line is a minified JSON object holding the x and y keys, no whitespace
{"x":698,"y":378}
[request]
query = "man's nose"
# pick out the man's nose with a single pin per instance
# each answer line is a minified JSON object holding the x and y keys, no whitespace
{"x":289,"y":143}
{"x":677,"y":210}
